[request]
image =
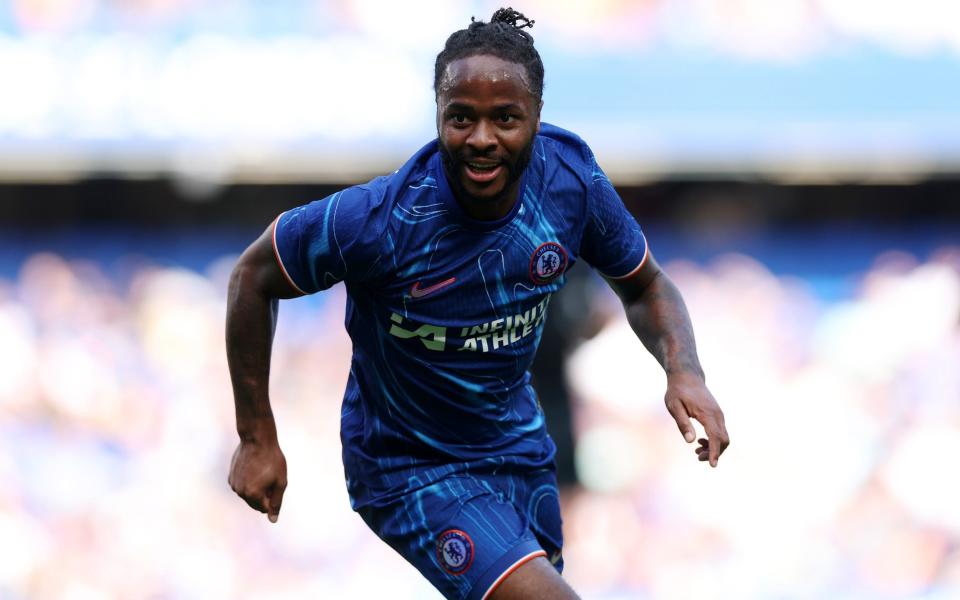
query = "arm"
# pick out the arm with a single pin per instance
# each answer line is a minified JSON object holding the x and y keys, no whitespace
{"x":258,"y":470}
{"x":658,"y":315}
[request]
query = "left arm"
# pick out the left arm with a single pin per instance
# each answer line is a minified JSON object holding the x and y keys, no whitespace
{"x":658,"y":315}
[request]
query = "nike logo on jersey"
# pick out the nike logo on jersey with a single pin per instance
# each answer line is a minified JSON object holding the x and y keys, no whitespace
{"x":418,"y":292}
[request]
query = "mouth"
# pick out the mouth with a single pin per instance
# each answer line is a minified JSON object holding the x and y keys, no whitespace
{"x":479,"y":172}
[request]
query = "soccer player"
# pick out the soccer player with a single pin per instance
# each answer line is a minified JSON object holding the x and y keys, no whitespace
{"x":449,"y":264}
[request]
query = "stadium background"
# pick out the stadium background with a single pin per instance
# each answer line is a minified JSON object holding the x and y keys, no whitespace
{"x":795,"y":165}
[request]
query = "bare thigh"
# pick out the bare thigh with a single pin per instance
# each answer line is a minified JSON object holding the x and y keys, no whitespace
{"x":534,"y":580}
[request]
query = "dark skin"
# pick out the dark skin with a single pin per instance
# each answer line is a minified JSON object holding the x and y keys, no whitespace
{"x":486,"y":116}
{"x":658,"y":315}
{"x":258,"y":470}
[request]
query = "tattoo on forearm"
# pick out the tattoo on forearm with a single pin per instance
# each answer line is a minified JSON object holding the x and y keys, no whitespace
{"x":660,"y":319}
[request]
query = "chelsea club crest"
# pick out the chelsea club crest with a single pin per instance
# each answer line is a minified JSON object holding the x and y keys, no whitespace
{"x":548,"y":262}
{"x":455,"y":551}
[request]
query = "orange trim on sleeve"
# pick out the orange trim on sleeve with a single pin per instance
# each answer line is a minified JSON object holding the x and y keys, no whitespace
{"x":522,"y":561}
{"x":643,"y":261}
{"x":276,"y":253}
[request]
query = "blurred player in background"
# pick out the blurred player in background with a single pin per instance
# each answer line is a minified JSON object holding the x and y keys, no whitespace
{"x":449,"y":264}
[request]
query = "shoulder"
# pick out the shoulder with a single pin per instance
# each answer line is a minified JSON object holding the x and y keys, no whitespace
{"x":568,"y":149}
{"x":387,"y":190}
{"x":372,"y":202}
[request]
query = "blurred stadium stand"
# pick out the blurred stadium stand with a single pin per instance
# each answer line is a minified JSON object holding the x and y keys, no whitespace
{"x":795,"y":165}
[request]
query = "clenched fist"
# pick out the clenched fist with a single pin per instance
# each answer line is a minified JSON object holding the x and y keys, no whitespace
{"x":258,"y":474}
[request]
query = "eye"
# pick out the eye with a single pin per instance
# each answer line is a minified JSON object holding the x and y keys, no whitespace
{"x":505,"y":118}
{"x":458,"y":118}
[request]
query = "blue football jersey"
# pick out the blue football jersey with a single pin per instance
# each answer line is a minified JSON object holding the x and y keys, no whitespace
{"x":445,"y":312}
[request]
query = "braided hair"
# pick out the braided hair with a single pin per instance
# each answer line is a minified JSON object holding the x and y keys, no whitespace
{"x":503,"y":37}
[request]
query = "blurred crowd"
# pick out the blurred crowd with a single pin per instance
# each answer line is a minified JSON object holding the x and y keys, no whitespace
{"x":757,"y":29}
{"x":116,"y":432}
{"x":222,"y":89}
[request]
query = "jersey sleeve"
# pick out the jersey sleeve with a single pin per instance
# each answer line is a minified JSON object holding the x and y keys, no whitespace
{"x":330,"y":240}
{"x":613,"y":242}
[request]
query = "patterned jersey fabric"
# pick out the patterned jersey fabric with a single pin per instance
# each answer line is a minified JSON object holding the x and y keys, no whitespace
{"x":445,"y":312}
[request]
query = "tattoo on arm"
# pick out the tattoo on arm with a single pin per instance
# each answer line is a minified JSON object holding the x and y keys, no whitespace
{"x":660,"y":319}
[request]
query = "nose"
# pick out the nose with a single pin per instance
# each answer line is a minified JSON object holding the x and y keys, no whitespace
{"x":482,"y":138}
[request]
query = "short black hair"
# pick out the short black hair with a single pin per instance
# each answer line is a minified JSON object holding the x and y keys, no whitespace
{"x":502,"y":37}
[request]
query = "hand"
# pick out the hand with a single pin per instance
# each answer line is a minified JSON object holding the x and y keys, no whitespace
{"x":687,"y":396}
{"x":258,"y":474}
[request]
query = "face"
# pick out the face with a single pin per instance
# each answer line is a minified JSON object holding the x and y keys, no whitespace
{"x":486,"y":120}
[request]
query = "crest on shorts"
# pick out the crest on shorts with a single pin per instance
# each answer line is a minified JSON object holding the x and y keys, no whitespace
{"x":547,"y":262}
{"x":455,"y":551}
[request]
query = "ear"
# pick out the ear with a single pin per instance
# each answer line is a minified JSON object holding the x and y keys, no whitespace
{"x":539,"y":110}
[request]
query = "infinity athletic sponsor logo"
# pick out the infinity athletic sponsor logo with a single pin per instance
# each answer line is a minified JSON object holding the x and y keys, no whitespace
{"x":418,"y":292}
{"x":484,"y":337}
{"x":455,"y":551}
{"x":547,"y":262}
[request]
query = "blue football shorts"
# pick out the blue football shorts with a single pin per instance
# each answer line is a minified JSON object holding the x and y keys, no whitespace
{"x":467,"y":532}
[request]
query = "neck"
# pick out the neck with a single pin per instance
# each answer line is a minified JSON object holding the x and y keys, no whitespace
{"x":488,"y":210}
{"x":492,"y":209}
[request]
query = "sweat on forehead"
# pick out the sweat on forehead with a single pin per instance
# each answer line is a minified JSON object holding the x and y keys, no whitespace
{"x":504,"y":37}
{"x":483,"y":68}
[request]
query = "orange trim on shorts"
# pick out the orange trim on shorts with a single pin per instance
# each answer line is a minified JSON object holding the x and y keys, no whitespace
{"x":643,"y":261}
{"x":522,"y":561}
{"x":276,"y":253}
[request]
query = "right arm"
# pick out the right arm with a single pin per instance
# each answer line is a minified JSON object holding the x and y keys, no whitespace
{"x":258,"y":471}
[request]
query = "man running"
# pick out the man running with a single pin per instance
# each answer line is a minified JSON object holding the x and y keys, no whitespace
{"x":449,"y":265}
